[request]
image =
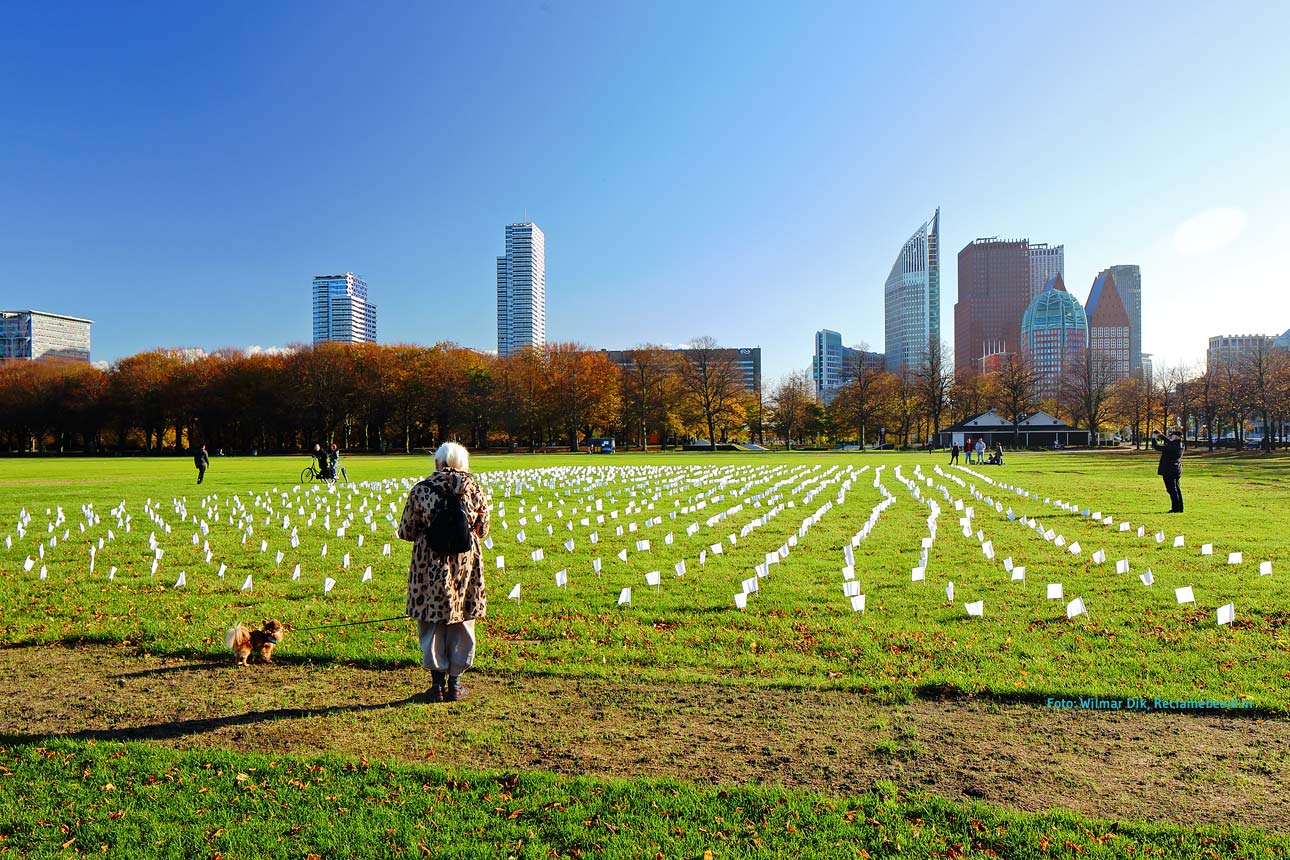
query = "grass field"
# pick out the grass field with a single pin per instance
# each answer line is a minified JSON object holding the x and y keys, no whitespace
{"x":798,"y":632}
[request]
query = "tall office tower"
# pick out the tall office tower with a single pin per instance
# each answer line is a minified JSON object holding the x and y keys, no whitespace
{"x":1233,"y":350}
{"x":1045,"y":261}
{"x":912,"y":298}
{"x":521,"y":289}
{"x":1054,"y":337}
{"x":994,"y":290}
{"x":342,"y":313}
{"x":1108,"y":325}
{"x":834,"y":365}
{"x":1128,"y":280}
{"x":38,"y":336}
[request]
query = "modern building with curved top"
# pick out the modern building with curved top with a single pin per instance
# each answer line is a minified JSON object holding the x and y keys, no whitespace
{"x":1054,"y":337}
{"x":912,"y":298}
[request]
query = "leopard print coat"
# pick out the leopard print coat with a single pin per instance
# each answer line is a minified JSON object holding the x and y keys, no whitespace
{"x":445,"y":588}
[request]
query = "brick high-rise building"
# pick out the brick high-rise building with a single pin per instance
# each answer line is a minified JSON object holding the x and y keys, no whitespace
{"x":1109,"y":325}
{"x":994,"y":290}
{"x":1128,"y":280}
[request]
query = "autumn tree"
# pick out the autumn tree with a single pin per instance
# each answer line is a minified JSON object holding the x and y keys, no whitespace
{"x":711,"y":380}
{"x":1016,"y":382}
{"x":650,"y":385}
{"x":792,"y":403}
{"x":933,"y":380}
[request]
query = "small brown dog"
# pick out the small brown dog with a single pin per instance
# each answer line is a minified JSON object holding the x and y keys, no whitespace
{"x":243,"y":641}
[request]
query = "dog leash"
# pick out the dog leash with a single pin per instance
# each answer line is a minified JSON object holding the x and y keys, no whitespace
{"x":348,"y":624}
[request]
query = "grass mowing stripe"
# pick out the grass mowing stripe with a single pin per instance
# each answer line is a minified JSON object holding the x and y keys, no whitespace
{"x":126,"y":800}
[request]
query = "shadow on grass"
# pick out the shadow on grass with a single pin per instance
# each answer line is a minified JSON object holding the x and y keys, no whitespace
{"x":205,"y":725}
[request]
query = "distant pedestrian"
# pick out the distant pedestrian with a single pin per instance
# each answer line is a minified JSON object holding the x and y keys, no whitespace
{"x":201,"y":460}
{"x":1170,"y":468}
{"x":954,"y":454}
{"x":980,"y":451}
{"x":446,"y":517}
{"x":333,"y":461}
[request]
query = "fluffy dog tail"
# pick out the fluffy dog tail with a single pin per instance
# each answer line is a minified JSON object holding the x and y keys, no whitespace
{"x":235,"y":634}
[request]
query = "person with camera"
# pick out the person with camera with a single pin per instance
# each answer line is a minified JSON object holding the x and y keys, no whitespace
{"x":1170,"y":468}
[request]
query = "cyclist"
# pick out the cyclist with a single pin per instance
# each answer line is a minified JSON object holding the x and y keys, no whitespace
{"x":324,"y":467}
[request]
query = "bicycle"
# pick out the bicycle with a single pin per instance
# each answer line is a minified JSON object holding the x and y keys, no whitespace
{"x":313,"y":473}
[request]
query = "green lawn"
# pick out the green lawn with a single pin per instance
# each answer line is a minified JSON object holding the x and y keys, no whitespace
{"x":798,"y":629}
{"x":65,"y":798}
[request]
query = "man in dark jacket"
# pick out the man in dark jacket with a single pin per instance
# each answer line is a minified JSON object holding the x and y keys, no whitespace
{"x":1170,"y":468}
{"x":201,"y":460}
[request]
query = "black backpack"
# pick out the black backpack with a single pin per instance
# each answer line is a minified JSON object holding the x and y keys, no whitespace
{"x":449,"y":533}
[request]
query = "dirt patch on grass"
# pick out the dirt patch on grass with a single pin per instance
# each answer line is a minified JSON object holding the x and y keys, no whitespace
{"x":1184,"y":769}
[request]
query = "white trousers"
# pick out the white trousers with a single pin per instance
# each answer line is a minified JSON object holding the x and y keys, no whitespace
{"x":447,"y":647}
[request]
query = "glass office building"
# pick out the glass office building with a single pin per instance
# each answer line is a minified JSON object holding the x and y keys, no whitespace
{"x":912,"y":298}
{"x":342,"y":313}
{"x":521,"y":289}
{"x":40,"y":336}
{"x":1054,"y":337}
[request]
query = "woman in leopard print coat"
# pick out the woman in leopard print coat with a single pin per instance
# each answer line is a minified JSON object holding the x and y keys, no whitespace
{"x":446,"y":592}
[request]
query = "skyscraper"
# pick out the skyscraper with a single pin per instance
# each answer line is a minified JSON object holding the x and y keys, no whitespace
{"x":38,"y":336}
{"x":1054,"y":337}
{"x":1045,"y":261}
{"x":912,"y":298}
{"x":1108,"y":325}
{"x":994,"y":291}
{"x":521,"y":289}
{"x":342,"y":313}
{"x":1128,"y":279}
{"x":834,"y":365}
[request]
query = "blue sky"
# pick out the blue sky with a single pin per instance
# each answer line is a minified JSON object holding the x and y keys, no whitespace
{"x":179,"y":172}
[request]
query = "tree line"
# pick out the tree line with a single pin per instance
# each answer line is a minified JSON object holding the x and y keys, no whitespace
{"x":401,"y":397}
{"x":374,"y":397}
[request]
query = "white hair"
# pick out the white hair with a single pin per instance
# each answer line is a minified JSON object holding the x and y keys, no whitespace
{"x":453,"y":456}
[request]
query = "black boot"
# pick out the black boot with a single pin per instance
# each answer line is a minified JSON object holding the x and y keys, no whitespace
{"x":435,"y":693}
{"x":455,"y":690}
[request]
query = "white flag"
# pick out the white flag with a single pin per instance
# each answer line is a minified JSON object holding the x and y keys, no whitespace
{"x":625,"y":596}
{"x":679,"y":567}
{"x":1076,"y":607}
{"x":181,"y":581}
{"x":328,"y":585}
{"x":1054,"y":591}
{"x":1227,"y":613}
{"x":949,"y":591}
{"x":246,"y":586}
{"x":976,"y":610}
{"x":857,"y":603}
{"x":515,"y":593}
{"x":653,"y":578}
{"x":1184,"y":594}
{"x":367,"y":574}
{"x":561,"y":578}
